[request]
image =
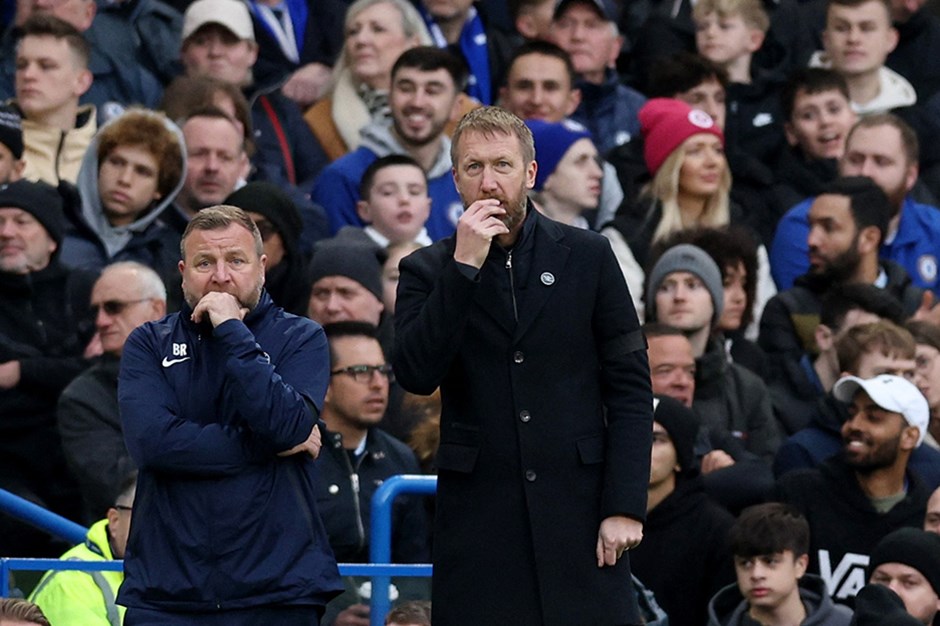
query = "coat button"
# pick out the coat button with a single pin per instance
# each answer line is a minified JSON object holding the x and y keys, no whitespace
{"x":530,"y":476}
{"x":518,"y":356}
{"x":525,"y":416}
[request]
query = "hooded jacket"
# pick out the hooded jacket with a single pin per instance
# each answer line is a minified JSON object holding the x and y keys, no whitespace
{"x":894,"y":91}
{"x":337,"y":188}
{"x":729,"y":608}
{"x":91,"y":242}
{"x":684,"y":557}
{"x":609,"y":111}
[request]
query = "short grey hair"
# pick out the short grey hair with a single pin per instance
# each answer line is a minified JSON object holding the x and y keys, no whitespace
{"x":148,"y":281}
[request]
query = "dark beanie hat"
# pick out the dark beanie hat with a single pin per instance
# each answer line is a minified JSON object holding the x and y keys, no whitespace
{"x":681,"y":424}
{"x":686,"y":258}
{"x":877,"y":605}
{"x":270,"y":201}
{"x":912,"y":547}
{"x":358,"y":261}
{"x":11,"y":131}
{"x":39,"y":199}
{"x":552,"y":142}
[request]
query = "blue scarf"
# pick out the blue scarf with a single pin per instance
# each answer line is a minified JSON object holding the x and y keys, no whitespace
{"x":473,"y":48}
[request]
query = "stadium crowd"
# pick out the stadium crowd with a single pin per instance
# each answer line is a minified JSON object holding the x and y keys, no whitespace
{"x":767,"y":176}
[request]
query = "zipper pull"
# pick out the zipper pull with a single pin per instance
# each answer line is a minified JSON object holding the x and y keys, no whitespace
{"x":354,"y":478}
{"x":509,"y":260}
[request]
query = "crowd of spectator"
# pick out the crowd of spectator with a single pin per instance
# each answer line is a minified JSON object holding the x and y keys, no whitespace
{"x":767,"y":174}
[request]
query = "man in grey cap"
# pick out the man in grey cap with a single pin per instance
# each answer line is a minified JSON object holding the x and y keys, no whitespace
{"x":684,"y":290}
{"x":852,"y":501}
{"x":41,"y":351}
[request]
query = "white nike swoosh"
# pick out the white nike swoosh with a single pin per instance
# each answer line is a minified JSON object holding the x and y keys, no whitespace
{"x":167,"y":362}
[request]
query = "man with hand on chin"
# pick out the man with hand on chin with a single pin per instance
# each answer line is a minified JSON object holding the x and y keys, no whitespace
{"x":528,"y":328}
{"x":219,"y":404}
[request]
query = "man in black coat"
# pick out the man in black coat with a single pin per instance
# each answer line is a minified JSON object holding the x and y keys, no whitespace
{"x":40,"y":352}
{"x":546,"y":419}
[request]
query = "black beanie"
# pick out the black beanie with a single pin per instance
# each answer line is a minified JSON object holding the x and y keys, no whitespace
{"x":681,"y":424}
{"x":358,"y":261}
{"x":275,"y":205}
{"x":11,"y":131}
{"x":877,"y":605}
{"x":39,"y":199}
{"x":912,"y":547}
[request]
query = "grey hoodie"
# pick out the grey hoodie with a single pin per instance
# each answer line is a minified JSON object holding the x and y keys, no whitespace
{"x":115,"y":238}
{"x":378,"y":138}
{"x":729,"y":608}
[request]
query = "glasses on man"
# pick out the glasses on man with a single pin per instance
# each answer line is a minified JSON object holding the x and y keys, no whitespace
{"x":364,"y":373}
{"x":114,"y":307}
{"x":122,"y":507}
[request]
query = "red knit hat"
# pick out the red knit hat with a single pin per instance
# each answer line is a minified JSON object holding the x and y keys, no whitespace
{"x":666,"y":123}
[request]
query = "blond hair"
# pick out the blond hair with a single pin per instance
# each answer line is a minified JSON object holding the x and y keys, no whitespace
{"x":751,"y":11}
{"x":665,"y":188}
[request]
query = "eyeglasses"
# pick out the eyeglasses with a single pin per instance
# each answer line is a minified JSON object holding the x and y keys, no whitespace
{"x":266,"y":229}
{"x":364,"y":373}
{"x":121,"y":507}
{"x":115,"y":307}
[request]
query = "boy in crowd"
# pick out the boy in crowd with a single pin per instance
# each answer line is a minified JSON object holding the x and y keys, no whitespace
{"x":394,"y":203}
{"x":817,"y":118}
{"x":770,"y":544}
{"x":728,"y":33}
{"x":130,"y":174}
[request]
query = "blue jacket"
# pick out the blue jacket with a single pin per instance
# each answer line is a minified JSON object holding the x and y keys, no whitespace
{"x":915,"y":246}
{"x":609,"y":111}
{"x":337,"y":188}
{"x":220,"y":521}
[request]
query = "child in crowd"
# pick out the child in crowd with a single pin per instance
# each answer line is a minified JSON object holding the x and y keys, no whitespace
{"x":394,"y":202}
{"x":728,"y":33}
{"x":770,"y":544}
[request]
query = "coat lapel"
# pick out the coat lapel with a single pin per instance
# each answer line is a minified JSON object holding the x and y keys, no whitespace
{"x":548,"y":264}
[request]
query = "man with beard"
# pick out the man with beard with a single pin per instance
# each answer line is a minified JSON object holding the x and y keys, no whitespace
{"x":853,"y":500}
{"x":885,"y":149}
{"x":423,"y":99}
{"x":848,"y":222}
{"x":219,"y":404}
{"x":528,"y":328}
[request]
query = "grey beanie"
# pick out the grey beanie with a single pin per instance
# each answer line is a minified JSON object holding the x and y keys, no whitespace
{"x":686,"y":258}
{"x":357,"y":261}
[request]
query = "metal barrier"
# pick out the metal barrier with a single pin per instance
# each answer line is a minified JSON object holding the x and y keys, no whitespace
{"x":380,"y":569}
{"x":380,"y":535}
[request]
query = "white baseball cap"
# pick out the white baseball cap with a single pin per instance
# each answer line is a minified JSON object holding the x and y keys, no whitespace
{"x":892,"y":393}
{"x":232,"y":14}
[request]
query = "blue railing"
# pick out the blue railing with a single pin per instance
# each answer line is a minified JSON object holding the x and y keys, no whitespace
{"x":380,"y":569}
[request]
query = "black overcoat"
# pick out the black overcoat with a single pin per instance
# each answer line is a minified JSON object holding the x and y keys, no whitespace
{"x":545,"y":429}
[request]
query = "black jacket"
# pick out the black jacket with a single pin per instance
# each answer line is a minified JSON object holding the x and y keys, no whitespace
{"x":684,"y":557}
{"x":344,"y":491}
{"x":843,"y":524}
{"x":92,"y":438}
